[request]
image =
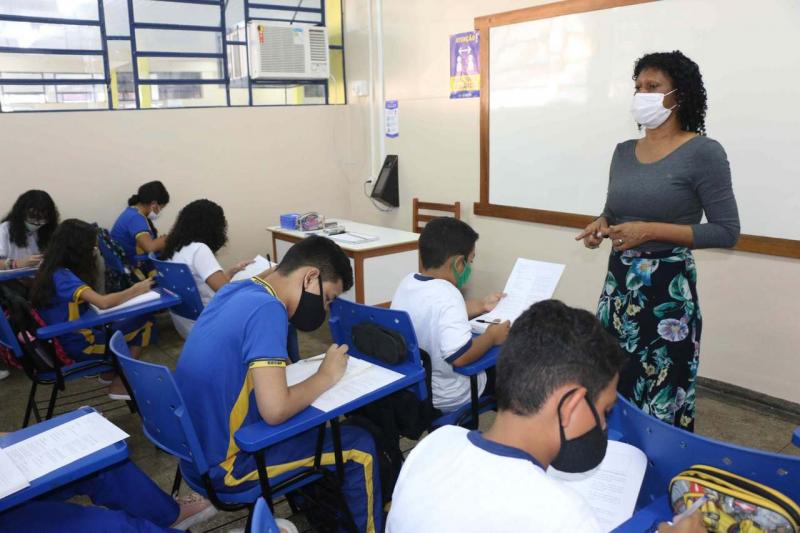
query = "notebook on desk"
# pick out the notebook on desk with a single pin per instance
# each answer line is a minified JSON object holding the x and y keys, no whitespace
{"x":149,"y":296}
{"x":43,"y":453}
{"x":529,"y":282}
{"x":259,"y":265}
{"x":360,"y":378}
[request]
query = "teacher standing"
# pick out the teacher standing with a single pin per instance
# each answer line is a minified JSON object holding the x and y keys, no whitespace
{"x":659,"y":187}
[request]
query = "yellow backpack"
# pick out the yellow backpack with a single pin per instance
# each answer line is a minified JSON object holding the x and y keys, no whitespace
{"x":734,"y":504}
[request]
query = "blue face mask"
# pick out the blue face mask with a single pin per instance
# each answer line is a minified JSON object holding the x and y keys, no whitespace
{"x":463,"y":276}
{"x":33,"y":225}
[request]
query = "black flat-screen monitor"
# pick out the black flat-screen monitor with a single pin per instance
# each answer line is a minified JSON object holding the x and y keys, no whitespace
{"x":386,"y":189}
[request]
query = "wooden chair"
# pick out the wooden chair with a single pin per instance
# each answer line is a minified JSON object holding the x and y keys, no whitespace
{"x":420,"y":219}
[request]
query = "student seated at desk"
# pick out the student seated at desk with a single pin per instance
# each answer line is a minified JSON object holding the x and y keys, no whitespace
{"x":134,"y":230}
{"x":124,"y":498}
{"x":556,"y":381}
{"x":232,"y":373}
{"x":439,"y":313}
{"x":63,"y":288}
{"x":26,"y":230}
{"x":199,"y":232}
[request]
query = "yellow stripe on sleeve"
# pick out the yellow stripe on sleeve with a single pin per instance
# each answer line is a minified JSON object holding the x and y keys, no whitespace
{"x":268,"y":363}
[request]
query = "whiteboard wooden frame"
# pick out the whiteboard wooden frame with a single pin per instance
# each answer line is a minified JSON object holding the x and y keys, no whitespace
{"x":747,"y":243}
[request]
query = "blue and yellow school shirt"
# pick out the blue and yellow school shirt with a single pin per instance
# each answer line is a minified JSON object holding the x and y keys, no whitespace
{"x":244,"y":326}
{"x":129,"y":225}
{"x":65,"y":305}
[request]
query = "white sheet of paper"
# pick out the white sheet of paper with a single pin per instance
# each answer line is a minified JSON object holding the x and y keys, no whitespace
{"x":612,"y":488}
{"x":350,"y":237}
{"x":259,"y":265}
{"x":360,"y":378}
{"x":529,"y":282}
{"x":64,"y":444}
{"x":11,"y":478}
{"x":149,"y":296}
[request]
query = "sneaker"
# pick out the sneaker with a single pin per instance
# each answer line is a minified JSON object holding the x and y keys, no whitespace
{"x":285,"y":526}
{"x":4,"y":374}
{"x":194,"y":510}
{"x":117,"y":391}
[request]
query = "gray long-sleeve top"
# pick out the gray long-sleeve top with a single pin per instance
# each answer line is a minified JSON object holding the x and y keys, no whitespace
{"x":695,"y":177}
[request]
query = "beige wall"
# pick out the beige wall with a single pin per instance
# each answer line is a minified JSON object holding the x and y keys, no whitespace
{"x":255,"y":162}
{"x":750,"y":302}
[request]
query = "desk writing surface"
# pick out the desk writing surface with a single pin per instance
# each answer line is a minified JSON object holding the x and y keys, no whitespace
{"x":486,"y":361}
{"x":260,"y":435}
{"x":91,"y":319}
{"x":83,"y":467}
{"x":386,"y":236}
{"x":18,"y":273}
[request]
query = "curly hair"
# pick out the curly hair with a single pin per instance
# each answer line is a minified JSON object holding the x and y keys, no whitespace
{"x":686,"y":78}
{"x":35,"y":204}
{"x":72,"y":247}
{"x":199,"y":221}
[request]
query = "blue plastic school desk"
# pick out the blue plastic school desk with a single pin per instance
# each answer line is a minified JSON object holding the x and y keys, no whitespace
{"x":257,"y":437}
{"x":489,"y":360}
{"x":91,"y":318}
{"x":18,"y":273}
{"x":108,"y":456}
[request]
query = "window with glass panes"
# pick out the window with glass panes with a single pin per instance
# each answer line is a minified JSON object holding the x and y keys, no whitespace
{"x":58,"y":55}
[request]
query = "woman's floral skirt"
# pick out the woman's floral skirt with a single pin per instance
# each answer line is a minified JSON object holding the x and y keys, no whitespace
{"x":649,"y":303}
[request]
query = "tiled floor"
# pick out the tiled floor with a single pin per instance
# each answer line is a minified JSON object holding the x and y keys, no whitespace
{"x":718,"y":416}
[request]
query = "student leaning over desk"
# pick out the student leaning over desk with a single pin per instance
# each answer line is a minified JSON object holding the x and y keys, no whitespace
{"x":26,"y":230}
{"x":63,"y":289}
{"x":232,"y":372}
{"x":197,"y":235}
{"x":134,"y":230}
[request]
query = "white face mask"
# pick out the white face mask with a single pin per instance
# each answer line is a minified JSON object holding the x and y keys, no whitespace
{"x":152,"y":215}
{"x":648,"y":109}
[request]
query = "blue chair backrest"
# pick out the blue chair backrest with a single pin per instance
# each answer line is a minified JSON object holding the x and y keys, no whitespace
{"x":262,"y":520}
{"x":7,"y":337}
{"x":671,"y":450}
{"x":177,"y":277}
{"x":112,"y":260}
{"x":345,"y":314}
{"x":165,"y":419}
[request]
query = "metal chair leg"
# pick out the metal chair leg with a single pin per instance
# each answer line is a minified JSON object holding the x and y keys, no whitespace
{"x":176,"y":485}
{"x":31,"y":405}
{"x":52,"y":403}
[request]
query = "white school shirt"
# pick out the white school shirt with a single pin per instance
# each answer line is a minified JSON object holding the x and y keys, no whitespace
{"x":9,"y":250}
{"x":439,"y":315}
{"x":202,"y":263}
{"x":457,"y":481}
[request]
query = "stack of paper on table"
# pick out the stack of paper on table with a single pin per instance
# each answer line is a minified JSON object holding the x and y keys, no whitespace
{"x":351,"y":237}
{"x":41,"y":454}
{"x":259,"y":265}
{"x":612,"y":488}
{"x":149,"y":296}
{"x":530,"y":282}
{"x":360,"y":378}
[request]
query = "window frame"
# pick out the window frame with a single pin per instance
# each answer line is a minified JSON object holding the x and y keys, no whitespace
{"x":226,"y":46}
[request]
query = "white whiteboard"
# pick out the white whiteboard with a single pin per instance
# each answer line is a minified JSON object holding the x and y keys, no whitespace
{"x":561,"y":88}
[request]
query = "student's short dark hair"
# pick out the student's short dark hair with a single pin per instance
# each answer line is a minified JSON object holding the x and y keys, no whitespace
{"x":550,"y":345}
{"x":322,"y":253}
{"x":443,"y":238}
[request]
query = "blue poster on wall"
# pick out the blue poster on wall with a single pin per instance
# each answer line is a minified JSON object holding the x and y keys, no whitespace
{"x":465,"y":68}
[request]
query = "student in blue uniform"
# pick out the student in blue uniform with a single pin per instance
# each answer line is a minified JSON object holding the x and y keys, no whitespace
{"x":26,"y":230}
{"x":134,"y":230}
{"x":125,"y":500}
{"x":232,"y":372}
{"x":63,"y":288}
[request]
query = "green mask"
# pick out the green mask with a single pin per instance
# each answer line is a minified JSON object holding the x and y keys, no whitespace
{"x":462,"y":277}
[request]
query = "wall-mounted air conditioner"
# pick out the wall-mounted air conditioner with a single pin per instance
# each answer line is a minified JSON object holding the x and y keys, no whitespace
{"x":280,"y":52}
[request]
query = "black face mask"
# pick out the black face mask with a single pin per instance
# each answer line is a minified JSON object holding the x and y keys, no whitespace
{"x":583,"y":453}
{"x":310,"y":312}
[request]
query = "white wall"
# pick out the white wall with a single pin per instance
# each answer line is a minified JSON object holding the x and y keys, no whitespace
{"x":255,"y":162}
{"x":750,"y":302}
